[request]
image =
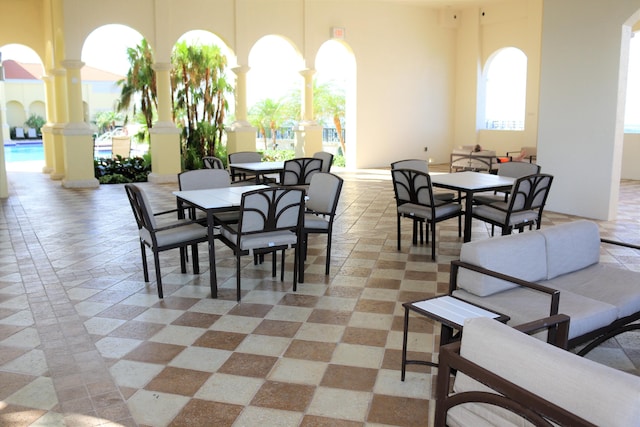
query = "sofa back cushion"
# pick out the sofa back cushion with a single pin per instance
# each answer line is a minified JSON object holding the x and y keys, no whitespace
{"x":594,"y":392}
{"x":571,"y":247}
{"x":518,"y":255}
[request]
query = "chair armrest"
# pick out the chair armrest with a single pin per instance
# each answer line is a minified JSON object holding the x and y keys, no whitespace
{"x":457,"y":264}
{"x":167,"y":212}
{"x":176,"y":225}
{"x":507,"y":394}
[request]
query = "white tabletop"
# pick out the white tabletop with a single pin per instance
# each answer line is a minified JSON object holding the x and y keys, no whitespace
{"x":217,"y":198}
{"x":453,"y":309}
{"x":474,"y":181}
{"x":258,"y":166}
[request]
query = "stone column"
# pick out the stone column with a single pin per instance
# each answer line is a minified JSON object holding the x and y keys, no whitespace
{"x":47,"y":129}
{"x":164,"y":136}
{"x":241,"y":136}
{"x":61,"y":115}
{"x":309,"y":132}
{"x":4,"y":181}
{"x":77,"y":135}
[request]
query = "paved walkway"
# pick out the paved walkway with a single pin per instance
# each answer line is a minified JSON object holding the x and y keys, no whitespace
{"x":85,"y":341}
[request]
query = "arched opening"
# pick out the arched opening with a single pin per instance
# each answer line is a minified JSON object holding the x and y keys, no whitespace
{"x":202,"y":90}
{"x":274,"y":83}
{"x":505,"y":89}
{"x":336,"y":72}
{"x":105,"y":53}
{"x":24,"y":96}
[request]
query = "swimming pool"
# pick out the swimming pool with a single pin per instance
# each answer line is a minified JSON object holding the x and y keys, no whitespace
{"x":29,"y":152}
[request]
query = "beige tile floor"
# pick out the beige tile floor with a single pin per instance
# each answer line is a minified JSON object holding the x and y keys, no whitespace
{"x":84,"y":341}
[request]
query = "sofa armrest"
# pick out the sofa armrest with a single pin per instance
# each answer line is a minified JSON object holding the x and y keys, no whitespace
{"x":506,"y":394}
{"x":617,"y":243}
{"x":554,"y":294}
{"x":556,"y":325}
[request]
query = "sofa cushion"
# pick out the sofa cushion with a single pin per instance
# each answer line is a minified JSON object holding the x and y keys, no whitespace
{"x":571,"y":247}
{"x":596,"y":393}
{"x":519,"y":255}
{"x":607,"y":283}
{"x":525,"y":305}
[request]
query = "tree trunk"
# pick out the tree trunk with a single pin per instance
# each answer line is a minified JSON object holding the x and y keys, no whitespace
{"x":336,"y":121}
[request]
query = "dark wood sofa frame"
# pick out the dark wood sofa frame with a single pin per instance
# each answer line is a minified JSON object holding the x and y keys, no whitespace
{"x":593,"y":338}
{"x":511,"y":397}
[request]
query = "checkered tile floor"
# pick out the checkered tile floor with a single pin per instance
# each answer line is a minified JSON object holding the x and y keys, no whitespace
{"x":85,"y":342}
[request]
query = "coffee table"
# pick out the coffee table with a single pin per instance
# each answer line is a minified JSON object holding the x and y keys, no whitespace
{"x":451,"y":312}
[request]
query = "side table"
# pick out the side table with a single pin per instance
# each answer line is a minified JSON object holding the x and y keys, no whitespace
{"x":451,"y":312}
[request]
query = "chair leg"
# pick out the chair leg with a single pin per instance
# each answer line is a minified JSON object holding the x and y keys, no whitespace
{"x":238,"y":276}
{"x":297,"y":263}
{"x":398,"y":231}
{"x":459,"y":225}
{"x":433,"y":241}
{"x":274,"y":258}
{"x":281,"y":265}
{"x":183,"y":257}
{"x":194,"y":255}
{"x":156,"y":260}
{"x":145,"y":267}
{"x":415,"y":232}
{"x":328,"y":261}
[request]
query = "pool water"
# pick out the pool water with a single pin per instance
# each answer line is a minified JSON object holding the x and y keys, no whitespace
{"x":34,"y":152}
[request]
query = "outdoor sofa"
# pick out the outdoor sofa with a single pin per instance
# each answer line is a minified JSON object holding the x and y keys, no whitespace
{"x":466,"y":159}
{"x":531,"y":275}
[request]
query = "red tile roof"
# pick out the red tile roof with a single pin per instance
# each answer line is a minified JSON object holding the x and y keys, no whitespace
{"x":14,"y":70}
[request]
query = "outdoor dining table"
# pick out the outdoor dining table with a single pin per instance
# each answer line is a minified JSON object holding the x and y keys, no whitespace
{"x":259,"y":169}
{"x":211,"y":201}
{"x":470,"y":183}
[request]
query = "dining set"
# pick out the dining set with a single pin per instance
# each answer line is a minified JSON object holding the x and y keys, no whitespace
{"x":246,"y":210}
{"x":511,"y":199}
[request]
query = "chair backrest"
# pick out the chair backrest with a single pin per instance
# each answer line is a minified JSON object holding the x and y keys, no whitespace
{"x":271,"y":209}
{"x":530,"y":192}
{"x":201,"y":179}
{"x":324,"y":192}
{"x":327,"y":160}
{"x":299,"y":171}
{"x":245,"y":157}
{"x":415,"y":164}
{"x":211,"y":162}
{"x":518,"y":169}
{"x":141,"y":211}
{"x":412,"y":186}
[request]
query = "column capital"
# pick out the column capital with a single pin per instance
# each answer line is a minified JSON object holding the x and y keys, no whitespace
{"x":307,"y":72}
{"x":240,"y":69}
{"x":58,"y":72}
{"x":72,"y":64}
{"x":161,"y":66}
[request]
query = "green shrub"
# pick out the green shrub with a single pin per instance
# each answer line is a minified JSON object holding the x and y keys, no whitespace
{"x":121,"y":170}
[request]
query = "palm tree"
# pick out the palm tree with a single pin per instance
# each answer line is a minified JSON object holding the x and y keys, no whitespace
{"x":140,"y":82}
{"x":268,"y":113}
{"x":329,"y":101}
{"x":106,"y":120}
{"x":199,"y":89}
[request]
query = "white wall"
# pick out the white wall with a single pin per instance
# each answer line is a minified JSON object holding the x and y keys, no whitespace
{"x":580,"y":130}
